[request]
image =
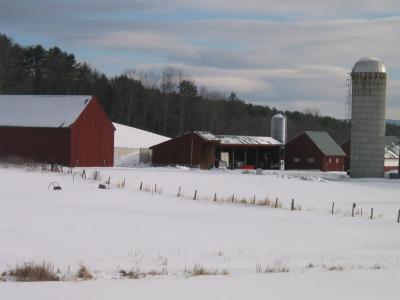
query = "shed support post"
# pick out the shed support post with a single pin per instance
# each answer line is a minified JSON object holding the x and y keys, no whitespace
{"x":233,"y":158}
{"x":256,"y":158}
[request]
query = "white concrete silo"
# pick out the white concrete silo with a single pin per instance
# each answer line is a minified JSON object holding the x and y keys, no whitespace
{"x":278,"y":128}
{"x":368,"y":120}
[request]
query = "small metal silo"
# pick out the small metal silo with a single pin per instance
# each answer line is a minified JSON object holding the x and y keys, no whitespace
{"x":278,"y":128}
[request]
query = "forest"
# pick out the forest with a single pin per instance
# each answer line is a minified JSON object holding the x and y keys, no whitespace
{"x":168,"y":102}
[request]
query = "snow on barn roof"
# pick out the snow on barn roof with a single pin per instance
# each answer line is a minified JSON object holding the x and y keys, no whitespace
{"x":41,"y":111}
{"x":208,"y":136}
{"x":237,"y":139}
{"x":131,"y":137}
{"x":325,"y":143}
{"x":247,"y":140}
{"x":392,"y":151}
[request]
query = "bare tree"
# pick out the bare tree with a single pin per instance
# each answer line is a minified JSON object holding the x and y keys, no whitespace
{"x":170,"y":79}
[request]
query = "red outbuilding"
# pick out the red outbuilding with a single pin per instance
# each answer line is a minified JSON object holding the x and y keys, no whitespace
{"x":204,"y":150}
{"x":314,"y":150}
{"x":67,"y":130}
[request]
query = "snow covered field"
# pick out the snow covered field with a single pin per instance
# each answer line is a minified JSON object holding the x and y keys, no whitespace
{"x":124,"y":228}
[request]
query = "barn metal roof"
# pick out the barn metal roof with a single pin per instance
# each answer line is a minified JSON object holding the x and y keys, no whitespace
{"x":208,"y":136}
{"x":237,"y":139}
{"x":392,"y":151}
{"x":41,"y":111}
{"x":325,"y":143}
{"x":247,"y":140}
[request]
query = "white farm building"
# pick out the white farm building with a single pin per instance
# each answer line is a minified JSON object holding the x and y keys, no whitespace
{"x":131,"y":145}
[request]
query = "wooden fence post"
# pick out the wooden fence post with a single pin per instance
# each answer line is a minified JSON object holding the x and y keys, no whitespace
{"x":195,"y":195}
{"x":372,"y":212}
{"x":333,"y":207}
{"x":292,"y":204}
{"x":155,"y":188}
{"x":233,"y":198}
{"x":276,"y":202}
{"x":398,"y":217}
{"x":141,"y":186}
{"x":215,"y":197}
{"x":352,"y":211}
{"x":179,"y":192}
{"x":254,"y":200}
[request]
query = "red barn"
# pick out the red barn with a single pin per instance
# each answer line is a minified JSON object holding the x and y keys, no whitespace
{"x":67,"y":130}
{"x":314,"y":150}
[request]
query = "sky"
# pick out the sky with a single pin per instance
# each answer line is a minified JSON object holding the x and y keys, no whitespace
{"x":288,"y":54}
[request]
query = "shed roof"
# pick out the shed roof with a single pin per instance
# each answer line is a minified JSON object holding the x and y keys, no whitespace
{"x":208,"y":136}
{"x":247,"y":140}
{"x":392,"y":151}
{"x":41,"y":111}
{"x":325,"y":143}
{"x":237,"y":139}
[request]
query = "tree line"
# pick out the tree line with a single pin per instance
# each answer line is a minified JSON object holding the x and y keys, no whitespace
{"x":167,"y":102}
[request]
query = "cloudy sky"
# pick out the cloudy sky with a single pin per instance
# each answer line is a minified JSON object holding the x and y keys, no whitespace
{"x":290,"y":54}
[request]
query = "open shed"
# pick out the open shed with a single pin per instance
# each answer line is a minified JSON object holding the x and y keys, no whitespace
{"x":204,"y":150}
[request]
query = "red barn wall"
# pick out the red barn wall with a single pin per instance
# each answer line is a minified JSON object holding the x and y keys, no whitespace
{"x":92,"y":138}
{"x":333,"y":163}
{"x":38,"y":144}
{"x":303,"y":148}
{"x":178,"y":151}
{"x":346,"y":149}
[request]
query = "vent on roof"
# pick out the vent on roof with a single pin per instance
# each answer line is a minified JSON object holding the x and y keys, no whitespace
{"x":62,"y":125}
{"x":86,"y":101}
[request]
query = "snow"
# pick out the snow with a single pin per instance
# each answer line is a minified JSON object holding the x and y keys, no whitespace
{"x":131,"y":137}
{"x":208,"y":136}
{"x":363,"y":285}
{"x":237,"y":139}
{"x":41,"y":111}
{"x":248,"y":140}
{"x":126,"y":228}
{"x":392,"y":151}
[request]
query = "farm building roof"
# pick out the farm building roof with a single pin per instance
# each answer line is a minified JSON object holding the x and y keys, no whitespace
{"x":325,"y":143}
{"x":237,"y":139}
{"x":208,"y":136}
{"x":247,"y":140}
{"x":41,"y":111}
{"x":392,"y":151}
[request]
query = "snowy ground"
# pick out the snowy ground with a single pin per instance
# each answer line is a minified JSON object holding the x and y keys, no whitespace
{"x":124,"y":228}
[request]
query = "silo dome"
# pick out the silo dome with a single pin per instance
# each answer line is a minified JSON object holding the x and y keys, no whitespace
{"x":369,"y":65}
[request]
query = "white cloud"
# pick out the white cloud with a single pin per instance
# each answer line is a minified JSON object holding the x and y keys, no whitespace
{"x":300,"y":59}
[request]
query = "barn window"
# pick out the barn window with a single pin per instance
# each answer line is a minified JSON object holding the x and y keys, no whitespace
{"x":311,"y":160}
{"x":337,"y":160}
{"x":330,"y":160}
{"x":296,"y":159}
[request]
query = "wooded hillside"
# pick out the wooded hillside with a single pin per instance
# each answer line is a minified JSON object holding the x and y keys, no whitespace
{"x":167,"y":103}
